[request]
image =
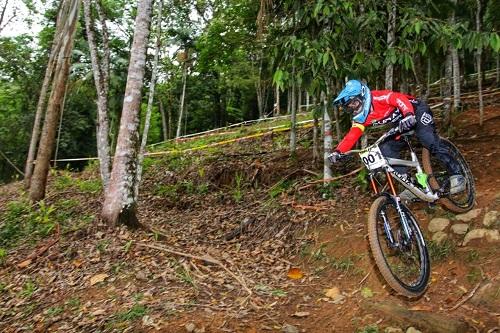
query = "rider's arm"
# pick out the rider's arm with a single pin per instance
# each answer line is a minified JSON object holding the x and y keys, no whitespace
{"x":402,"y":102}
{"x":351,"y":138}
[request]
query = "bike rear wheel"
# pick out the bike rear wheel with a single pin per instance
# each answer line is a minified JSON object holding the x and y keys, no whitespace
{"x":405,"y":267}
{"x":438,"y":176}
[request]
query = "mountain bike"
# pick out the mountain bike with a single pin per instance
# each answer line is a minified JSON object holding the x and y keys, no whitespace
{"x":396,"y":241}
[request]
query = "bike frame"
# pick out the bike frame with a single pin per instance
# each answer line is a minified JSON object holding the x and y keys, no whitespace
{"x":386,"y":164}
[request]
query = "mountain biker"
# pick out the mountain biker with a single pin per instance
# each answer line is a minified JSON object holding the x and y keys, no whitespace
{"x":380,"y":107}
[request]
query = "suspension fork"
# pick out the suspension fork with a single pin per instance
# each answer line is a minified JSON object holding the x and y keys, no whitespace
{"x":402,"y":215}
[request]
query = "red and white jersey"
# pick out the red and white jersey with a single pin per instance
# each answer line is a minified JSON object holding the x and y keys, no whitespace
{"x":387,"y":107}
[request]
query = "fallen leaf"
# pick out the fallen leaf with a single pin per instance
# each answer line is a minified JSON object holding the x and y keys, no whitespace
{"x":98,"y":312}
{"x":301,"y":314}
{"x":98,"y":278}
{"x":77,"y":262}
{"x":24,"y":264}
{"x":332,"y":293}
{"x":295,"y":273}
{"x":421,"y":308}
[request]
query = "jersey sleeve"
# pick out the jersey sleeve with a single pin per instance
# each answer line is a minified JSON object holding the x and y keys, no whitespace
{"x":351,"y":138}
{"x":402,"y":102}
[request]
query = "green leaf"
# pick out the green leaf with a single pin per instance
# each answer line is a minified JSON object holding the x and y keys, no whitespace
{"x":418,"y":27}
{"x":325,"y":59}
{"x":366,"y":292}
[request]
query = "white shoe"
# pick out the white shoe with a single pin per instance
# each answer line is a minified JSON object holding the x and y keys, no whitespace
{"x":457,"y":184}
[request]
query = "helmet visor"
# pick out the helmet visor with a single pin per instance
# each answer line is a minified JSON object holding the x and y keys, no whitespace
{"x":354,"y":105}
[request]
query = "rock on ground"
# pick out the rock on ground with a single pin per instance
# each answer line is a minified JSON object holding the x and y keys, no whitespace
{"x":490,"y":235}
{"x":438,"y":224}
{"x":490,"y":218}
{"x":460,"y":228}
{"x":469,"y":215}
{"x":439,"y":237}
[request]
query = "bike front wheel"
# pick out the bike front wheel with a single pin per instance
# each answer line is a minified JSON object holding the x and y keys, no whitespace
{"x":459,"y":202}
{"x":403,"y":261}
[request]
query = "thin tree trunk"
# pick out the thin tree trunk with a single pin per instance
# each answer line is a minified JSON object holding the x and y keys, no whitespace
{"x":293,"y":119}
{"x":308,"y":98}
{"x":277,"y":107}
{"x":181,"y":107}
{"x":288,"y":101}
{"x":35,"y":134}
{"x":391,"y":39}
{"x":456,"y":69}
{"x":150,"y":99}
{"x":163,"y":120}
{"x":328,"y":141}
{"x":60,"y":125}
{"x":120,"y":204}
{"x":69,"y":8}
{"x":260,"y":89}
{"x":447,"y":90}
{"x":299,"y":100}
{"x":102,"y":99}
{"x":478,"y":64}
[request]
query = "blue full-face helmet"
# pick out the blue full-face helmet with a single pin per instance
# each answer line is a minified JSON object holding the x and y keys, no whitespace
{"x":356,"y":98}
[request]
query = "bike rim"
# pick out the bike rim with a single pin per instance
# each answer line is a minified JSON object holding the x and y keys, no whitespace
{"x":408,"y":263}
{"x":441,"y":174}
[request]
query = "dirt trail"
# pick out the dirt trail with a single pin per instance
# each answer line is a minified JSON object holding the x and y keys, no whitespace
{"x":246,"y":213}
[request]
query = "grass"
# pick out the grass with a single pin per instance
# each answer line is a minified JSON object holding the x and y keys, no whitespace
{"x":29,"y":289}
{"x":135,"y":312}
{"x":442,"y":250}
{"x":3,"y":256}
{"x":238,"y":187}
{"x":368,"y":329}
{"x":23,"y":221}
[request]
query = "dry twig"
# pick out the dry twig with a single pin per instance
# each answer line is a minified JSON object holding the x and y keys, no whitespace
{"x":206,"y":258}
{"x":465,"y":299}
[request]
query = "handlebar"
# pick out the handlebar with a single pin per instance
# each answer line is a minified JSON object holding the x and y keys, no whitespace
{"x":389,"y":133}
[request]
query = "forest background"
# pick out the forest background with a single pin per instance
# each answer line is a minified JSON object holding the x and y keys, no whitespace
{"x":223,"y":62}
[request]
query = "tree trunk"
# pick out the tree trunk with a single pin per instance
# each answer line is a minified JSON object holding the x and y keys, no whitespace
{"x":150,"y":99}
{"x":447,"y":90}
{"x":35,"y":134}
{"x":327,"y":130}
{"x":277,"y":106}
{"x":391,"y":39}
{"x":293,"y":121}
{"x":60,"y":125}
{"x":163,"y":120}
{"x":181,"y":107}
{"x":259,"y":87}
{"x":120,"y":204}
{"x":102,"y":99}
{"x":299,"y":100}
{"x":69,"y":18}
{"x":456,"y":69}
{"x":478,"y":64}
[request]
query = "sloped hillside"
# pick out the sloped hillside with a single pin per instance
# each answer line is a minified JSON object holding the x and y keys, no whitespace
{"x":239,"y":238}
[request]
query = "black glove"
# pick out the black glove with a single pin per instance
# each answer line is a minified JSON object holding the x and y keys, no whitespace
{"x":334,"y":157}
{"x":407,"y":123}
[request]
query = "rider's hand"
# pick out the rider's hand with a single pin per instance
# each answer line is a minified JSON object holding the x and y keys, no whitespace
{"x":334,"y":157}
{"x":407,"y":123}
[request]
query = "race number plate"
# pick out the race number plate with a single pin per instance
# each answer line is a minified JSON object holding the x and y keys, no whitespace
{"x":373,"y":158}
